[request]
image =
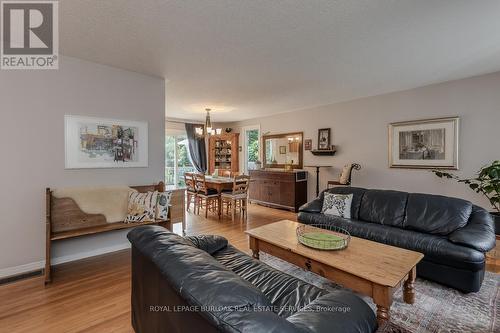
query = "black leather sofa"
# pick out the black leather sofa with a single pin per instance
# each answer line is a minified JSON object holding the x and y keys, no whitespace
{"x":452,"y":233}
{"x":203,"y":284}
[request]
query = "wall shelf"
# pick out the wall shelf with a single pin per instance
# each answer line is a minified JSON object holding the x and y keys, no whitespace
{"x":329,"y":152}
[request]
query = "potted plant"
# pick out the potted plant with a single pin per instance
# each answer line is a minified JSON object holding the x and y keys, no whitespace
{"x":487,"y":183}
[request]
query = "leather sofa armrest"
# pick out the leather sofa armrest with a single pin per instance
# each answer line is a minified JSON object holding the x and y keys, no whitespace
{"x":208,"y":243}
{"x":314,"y":206}
{"x":479,"y":233}
{"x":339,"y":311}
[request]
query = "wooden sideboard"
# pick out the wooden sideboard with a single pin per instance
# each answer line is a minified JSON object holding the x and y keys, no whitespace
{"x":278,"y":189}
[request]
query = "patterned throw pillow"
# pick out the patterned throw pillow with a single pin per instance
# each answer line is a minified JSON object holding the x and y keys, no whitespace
{"x":141,"y":206}
{"x":346,"y":172}
{"x":162,"y":203}
{"x":337,"y":205}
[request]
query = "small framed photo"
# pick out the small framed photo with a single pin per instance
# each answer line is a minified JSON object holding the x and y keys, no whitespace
{"x":282,"y":150}
{"x":308,"y":144}
{"x":424,"y":144}
{"x":324,"y":138}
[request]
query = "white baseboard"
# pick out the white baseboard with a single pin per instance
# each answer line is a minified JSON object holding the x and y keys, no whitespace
{"x":16,"y":270}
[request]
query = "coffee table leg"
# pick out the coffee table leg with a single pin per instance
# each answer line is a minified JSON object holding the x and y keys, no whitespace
{"x":382,"y":296}
{"x":409,"y":287}
{"x":382,"y":315}
{"x":254,"y":246}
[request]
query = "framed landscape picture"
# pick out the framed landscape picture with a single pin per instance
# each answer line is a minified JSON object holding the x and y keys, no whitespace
{"x":105,"y":143}
{"x":424,"y":144}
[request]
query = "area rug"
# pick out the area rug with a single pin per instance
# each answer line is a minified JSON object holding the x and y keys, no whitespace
{"x":436,"y":309}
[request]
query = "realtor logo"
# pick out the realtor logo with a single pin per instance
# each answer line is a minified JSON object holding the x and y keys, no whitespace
{"x":29,"y":35}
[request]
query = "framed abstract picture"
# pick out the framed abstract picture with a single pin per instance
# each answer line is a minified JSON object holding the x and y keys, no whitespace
{"x":105,"y":143}
{"x":424,"y":144}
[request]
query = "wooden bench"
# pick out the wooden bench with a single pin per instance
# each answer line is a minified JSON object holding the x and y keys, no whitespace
{"x":65,"y":219}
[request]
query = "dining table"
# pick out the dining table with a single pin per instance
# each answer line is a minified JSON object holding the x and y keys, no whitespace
{"x":219,"y":184}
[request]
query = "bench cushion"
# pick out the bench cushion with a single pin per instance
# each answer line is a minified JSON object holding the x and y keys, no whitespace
{"x":109,"y":201}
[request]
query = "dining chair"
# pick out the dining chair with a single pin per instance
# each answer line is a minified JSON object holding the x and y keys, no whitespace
{"x":237,"y":197}
{"x":224,"y":173}
{"x":190,"y":190}
{"x":345,"y":177}
{"x":206,"y":197}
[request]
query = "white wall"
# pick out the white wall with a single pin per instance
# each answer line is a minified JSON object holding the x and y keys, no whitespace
{"x":359,"y":129}
{"x":32,"y":108}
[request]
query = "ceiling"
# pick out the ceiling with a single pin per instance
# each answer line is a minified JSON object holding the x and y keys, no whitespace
{"x":251,"y":58}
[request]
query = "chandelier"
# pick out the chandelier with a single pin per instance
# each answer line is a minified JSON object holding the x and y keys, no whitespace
{"x":208,"y":123}
{"x":208,"y":130}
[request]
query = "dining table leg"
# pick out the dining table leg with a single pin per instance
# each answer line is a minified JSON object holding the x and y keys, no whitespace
{"x":219,"y":206}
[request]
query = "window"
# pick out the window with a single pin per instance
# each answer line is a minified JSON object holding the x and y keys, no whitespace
{"x":251,"y":147}
{"x":176,"y":159}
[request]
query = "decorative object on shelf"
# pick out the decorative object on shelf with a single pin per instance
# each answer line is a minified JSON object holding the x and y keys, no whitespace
{"x":317,"y":174}
{"x":486,"y":183}
{"x":308,"y":144}
{"x":105,"y":143}
{"x":323,"y":237}
{"x":228,"y":129}
{"x":324,"y":138}
{"x":424,"y":144}
{"x":328,"y":152}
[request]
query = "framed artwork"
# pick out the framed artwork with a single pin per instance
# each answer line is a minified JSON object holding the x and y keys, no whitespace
{"x":424,"y":144}
{"x":308,"y":144}
{"x":324,"y":138}
{"x":282,"y":150}
{"x":105,"y":143}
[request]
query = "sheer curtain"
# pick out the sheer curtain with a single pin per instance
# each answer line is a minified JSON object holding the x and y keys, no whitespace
{"x":197,"y":149}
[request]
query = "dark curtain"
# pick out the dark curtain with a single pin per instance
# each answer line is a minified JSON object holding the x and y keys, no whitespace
{"x":197,"y":150}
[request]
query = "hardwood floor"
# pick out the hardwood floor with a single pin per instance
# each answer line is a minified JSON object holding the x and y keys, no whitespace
{"x":93,"y":295}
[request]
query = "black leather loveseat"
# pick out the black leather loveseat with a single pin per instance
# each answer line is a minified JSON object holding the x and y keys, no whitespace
{"x":202,"y":284}
{"x":452,"y":233}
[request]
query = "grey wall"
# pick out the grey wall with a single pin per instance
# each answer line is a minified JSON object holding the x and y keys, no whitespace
{"x":359,"y":129}
{"x":33,"y":104}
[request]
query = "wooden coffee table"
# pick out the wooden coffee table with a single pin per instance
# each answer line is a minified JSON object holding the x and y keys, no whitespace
{"x":367,"y":267}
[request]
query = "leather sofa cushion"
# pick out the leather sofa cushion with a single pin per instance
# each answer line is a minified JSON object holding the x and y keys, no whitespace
{"x":193,"y":273}
{"x":282,"y":290}
{"x":435,"y":214}
{"x":435,"y":248}
{"x":316,"y":316}
{"x":357,"y":193}
{"x":208,"y":243}
{"x":384,"y":207}
{"x":287,"y":294}
{"x":479,"y":233}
